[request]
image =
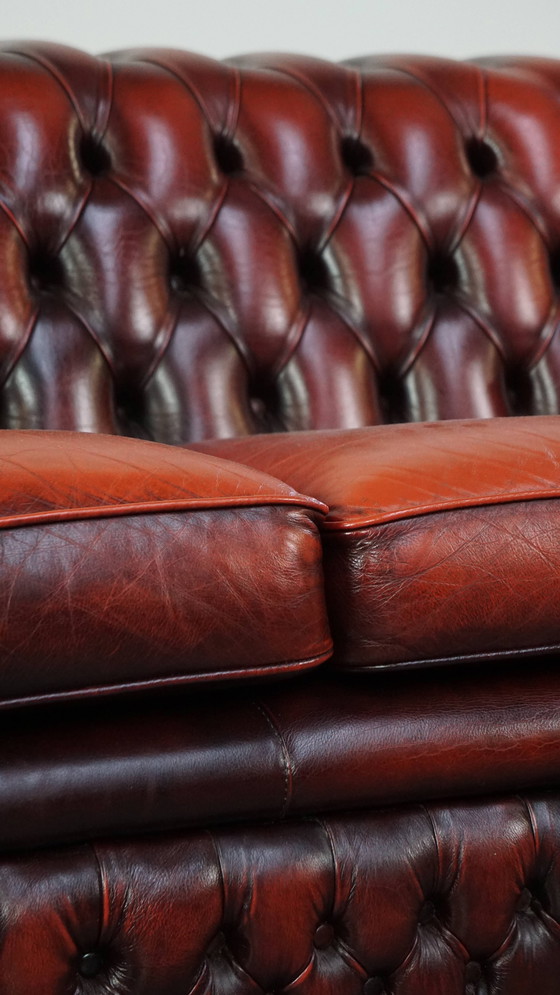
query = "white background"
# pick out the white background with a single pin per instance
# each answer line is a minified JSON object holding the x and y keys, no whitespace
{"x":330,"y":28}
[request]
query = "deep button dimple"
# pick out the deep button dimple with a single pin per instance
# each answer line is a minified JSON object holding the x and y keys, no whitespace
{"x":392,"y":396}
{"x":216,"y":945}
{"x":264,"y":403}
{"x":427,"y":912}
{"x":473,"y":973}
{"x":94,"y":157}
{"x":184,"y":273}
{"x":228,"y":155}
{"x":518,"y":390}
{"x":45,"y":271}
{"x":240,"y":946}
{"x":481,"y":157}
{"x":356,"y":156}
{"x":524,"y":901}
{"x":528,"y":901}
{"x":313,"y":270}
{"x":554,"y":263}
{"x":323,"y":936}
{"x":374,"y":986}
{"x":258,"y":407}
{"x":91,"y":964}
{"x":443,"y":272}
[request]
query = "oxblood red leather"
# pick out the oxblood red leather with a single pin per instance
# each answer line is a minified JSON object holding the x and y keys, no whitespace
{"x":442,"y":540}
{"x":192,"y":250}
{"x":274,"y":753}
{"x":130,"y":564}
{"x":446,"y":899}
{"x":334,"y":246}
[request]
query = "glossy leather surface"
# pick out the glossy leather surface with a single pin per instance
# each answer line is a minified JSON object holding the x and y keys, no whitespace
{"x":127,"y":563}
{"x":394,"y":472}
{"x":194,"y":249}
{"x":319,"y":744}
{"x":442,"y":539}
{"x":48,"y":477}
{"x":327,"y":906}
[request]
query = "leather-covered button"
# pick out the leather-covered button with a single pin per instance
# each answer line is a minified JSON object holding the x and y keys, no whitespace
{"x":95,"y":159}
{"x":481,"y":157}
{"x":90,"y":964}
{"x":443,"y":273}
{"x":228,"y":156}
{"x":427,"y":913}
{"x":374,"y":986}
{"x":356,"y":156}
{"x":524,"y":901}
{"x":473,"y":973}
{"x":324,"y":935}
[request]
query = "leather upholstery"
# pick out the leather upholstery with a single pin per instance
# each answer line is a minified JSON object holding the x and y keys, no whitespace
{"x":194,"y":250}
{"x":442,"y":539}
{"x":125,"y":563}
{"x":448,"y":900}
{"x":318,"y":744}
{"x":334,"y":246}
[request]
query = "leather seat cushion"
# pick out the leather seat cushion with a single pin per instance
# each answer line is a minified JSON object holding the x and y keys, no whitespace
{"x":442,"y":542}
{"x":126,"y":563}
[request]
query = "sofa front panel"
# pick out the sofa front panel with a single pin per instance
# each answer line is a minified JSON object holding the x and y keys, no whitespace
{"x":203,"y":757}
{"x":321,"y":907}
{"x":193,"y":249}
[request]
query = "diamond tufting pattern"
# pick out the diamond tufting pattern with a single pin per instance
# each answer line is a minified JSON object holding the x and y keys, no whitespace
{"x":193,"y":249}
{"x":321,"y":906}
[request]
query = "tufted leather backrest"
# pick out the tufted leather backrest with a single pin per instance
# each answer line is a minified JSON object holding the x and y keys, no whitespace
{"x":193,"y":249}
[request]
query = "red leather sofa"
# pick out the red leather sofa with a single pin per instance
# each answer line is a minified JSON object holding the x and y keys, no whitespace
{"x":280,"y":525}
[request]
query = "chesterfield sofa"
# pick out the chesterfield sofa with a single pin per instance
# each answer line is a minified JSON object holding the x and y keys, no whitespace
{"x":279,"y":525}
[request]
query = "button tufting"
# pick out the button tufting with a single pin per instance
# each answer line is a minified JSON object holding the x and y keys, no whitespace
{"x":240,"y":946}
{"x":216,"y":945}
{"x":264,"y":402}
{"x":355,"y":155}
{"x":518,"y":389}
{"x":91,"y":964}
{"x":324,"y":935}
{"x":524,"y":901}
{"x":473,"y":973}
{"x":374,"y":986}
{"x":228,"y":155}
{"x":184,"y":272}
{"x":481,"y":157}
{"x":554,"y":263}
{"x":313,"y":271}
{"x":443,"y":273}
{"x":95,"y":158}
{"x":427,"y":913}
{"x":45,"y":271}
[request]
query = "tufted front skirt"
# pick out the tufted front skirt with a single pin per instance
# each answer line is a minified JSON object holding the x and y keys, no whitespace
{"x":441,"y":899}
{"x":325,"y":836}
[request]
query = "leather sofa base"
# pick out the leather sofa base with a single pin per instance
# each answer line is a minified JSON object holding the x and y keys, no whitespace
{"x":324,"y":743}
{"x":450,"y":898}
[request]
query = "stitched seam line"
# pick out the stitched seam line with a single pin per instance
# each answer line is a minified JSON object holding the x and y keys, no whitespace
{"x":286,"y":762}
